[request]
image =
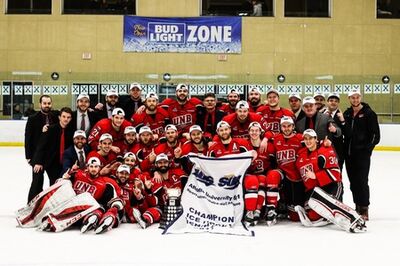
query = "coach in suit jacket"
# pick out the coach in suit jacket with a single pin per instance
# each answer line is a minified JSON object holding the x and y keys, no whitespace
{"x":76,"y":153}
{"x":48,"y":155}
{"x":105,"y":110}
{"x":322,"y":124}
{"x":208,"y":116}
{"x":83,"y":118}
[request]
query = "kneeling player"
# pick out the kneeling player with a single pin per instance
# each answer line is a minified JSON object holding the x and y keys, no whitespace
{"x":104,"y":190}
{"x":321,"y":175}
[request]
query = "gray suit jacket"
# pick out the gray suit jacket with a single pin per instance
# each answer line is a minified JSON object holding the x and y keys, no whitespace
{"x":321,"y":126}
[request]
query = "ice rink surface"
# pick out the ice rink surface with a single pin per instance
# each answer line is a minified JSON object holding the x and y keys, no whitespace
{"x":283,"y":244}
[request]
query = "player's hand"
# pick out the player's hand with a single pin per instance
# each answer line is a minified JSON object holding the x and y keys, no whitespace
{"x":115,"y":149}
{"x":186,"y":135}
{"x":137,"y":193}
{"x":210,"y":143}
{"x":75,"y":167}
{"x":37,"y":168}
{"x":155,"y":137}
{"x":340,"y":116}
{"x":99,"y":106}
{"x":157,"y":177}
{"x":66,"y":175}
{"x":45,"y":128}
{"x":332,"y":128}
{"x":148,"y":184}
{"x":115,"y":166}
{"x":254,"y":154}
{"x":178,"y":151}
{"x":140,"y":109}
{"x":152,"y":156}
{"x":327,"y":142}
{"x":264,"y":145}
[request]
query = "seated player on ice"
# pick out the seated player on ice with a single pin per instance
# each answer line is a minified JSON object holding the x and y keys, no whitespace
{"x":319,"y":169}
{"x":104,"y":189}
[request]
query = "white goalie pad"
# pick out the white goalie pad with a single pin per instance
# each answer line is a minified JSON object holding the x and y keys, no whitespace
{"x":69,"y":212}
{"x":335,"y":211}
{"x":48,"y":200}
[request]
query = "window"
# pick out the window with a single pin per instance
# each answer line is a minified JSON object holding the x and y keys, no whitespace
{"x":237,"y":8}
{"x":28,"y":6}
{"x":16,"y":103}
{"x":388,"y":9}
{"x":307,"y":8}
{"x":108,"y":7}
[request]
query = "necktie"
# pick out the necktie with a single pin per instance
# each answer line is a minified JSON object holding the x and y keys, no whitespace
{"x":311,"y":125}
{"x":83,"y":124}
{"x":62,"y":143}
{"x":136,"y":106}
{"x":81,"y":161}
{"x":47,"y":120}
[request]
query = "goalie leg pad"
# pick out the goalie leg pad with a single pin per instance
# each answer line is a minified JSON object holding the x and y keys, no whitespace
{"x":335,"y":211}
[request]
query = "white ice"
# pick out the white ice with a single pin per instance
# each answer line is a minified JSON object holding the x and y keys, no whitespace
{"x":283,"y":244}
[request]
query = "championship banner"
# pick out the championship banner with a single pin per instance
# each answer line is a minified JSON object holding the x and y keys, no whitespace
{"x":183,"y":35}
{"x":212,"y":200}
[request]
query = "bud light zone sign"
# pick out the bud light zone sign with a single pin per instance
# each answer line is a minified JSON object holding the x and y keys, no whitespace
{"x":183,"y":35}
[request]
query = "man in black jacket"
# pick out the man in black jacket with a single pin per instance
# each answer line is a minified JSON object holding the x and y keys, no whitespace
{"x":208,"y":116}
{"x":77,"y":153}
{"x":33,"y":130}
{"x":48,"y":155}
{"x":133,"y":101}
{"x":361,"y":132}
{"x":83,"y":118}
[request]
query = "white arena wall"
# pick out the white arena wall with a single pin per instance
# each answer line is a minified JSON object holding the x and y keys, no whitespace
{"x":12,"y":134}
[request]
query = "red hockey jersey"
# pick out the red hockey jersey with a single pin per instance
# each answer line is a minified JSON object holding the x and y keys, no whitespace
{"x":156,"y":122}
{"x":105,"y":126}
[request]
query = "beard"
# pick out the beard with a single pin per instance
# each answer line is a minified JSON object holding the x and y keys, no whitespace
{"x":255,"y":101}
{"x":162,"y":169}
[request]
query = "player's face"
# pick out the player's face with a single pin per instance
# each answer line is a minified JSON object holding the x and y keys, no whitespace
{"x":287,"y":129}
{"x":209,"y":103}
{"x":233,"y":99}
{"x":273,"y":99}
{"x":333,"y":103}
{"x":93,"y":169}
{"x":162,"y":166}
{"x":112,"y":100}
{"x":79,"y":142}
{"x":254,"y":133}
{"x":254,"y":98}
{"x":310,"y":142}
{"x":224,"y":133}
{"x":196,"y":136}
{"x":145,"y":137}
{"x":130,"y":138}
{"x":310,"y":109}
{"x":45,"y":105}
{"x":319,"y":102}
{"x":64,"y":118}
{"x":171,"y":135}
{"x":242,"y":114}
{"x":105,"y":145}
{"x":123,"y":176}
{"x":130,"y":161}
{"x":117,"y":120}
{"x":355,"y":100}
{"x":295,"y":104}
{"x":151,"y":104}
{"x":135,"y":93}
{"x":182,"y":94}
{"x":83,"y":104}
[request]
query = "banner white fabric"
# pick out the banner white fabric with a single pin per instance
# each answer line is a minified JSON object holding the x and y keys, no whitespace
{"x":212,"y":200}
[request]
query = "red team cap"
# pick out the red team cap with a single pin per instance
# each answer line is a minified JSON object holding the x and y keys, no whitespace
{"x":222,"y":124}
{"x":145,"y":129}
{"x":310,"y":132}
{"x":79,"y":133}
{"x":135,"y":85}
{"x":112,"y":93}
{"x":130,"y":129}
{"x":151,"y":95}
{"x":118,"y":111}
{"x":170,"y":126}
{"x":242,"y":105}
{"x":161,"y":157}
{"x":94,"y":161}
{"x":105,"y":136}
{"x":81,"y":96}
{"x":272,"y":90}
{"x":195,"y":127}
{"x":308,"y":100}
{"x":181,"y":86}
{"x":124,"y":168}
{"x":255,"y":124}
{"x":287,"y":119}
{"x":130,"y":155}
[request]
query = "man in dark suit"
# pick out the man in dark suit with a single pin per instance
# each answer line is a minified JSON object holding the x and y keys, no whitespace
{"x":76,"y":154}
{"x":34,"y":128}
{"x":295,"y":105}
{"x":133,"y":101}
{"x":321,"y":123}
{"x":208,"y":116}
{"x":112,"y":102}
{"x":332,"y":109}
{"x":48,"y":155}
{"x":83,"y":118}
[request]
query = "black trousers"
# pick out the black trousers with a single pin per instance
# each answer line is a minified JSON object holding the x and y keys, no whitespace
{"x":357,"y":167}
{"x":53,"y":173}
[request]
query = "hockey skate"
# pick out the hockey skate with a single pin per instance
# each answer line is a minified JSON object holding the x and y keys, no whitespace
{"x":139,"y":219}
{"x":358,"y":226}
{"x":105,"y":225}
{"x":271,"y":216}
{"x":249,"y":218}
{"x":89,"y":223}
